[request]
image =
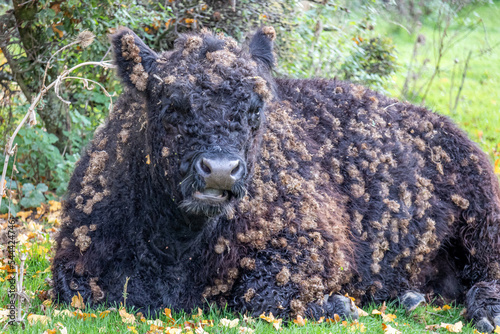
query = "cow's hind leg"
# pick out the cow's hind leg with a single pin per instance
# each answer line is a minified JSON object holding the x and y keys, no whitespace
{"x":483,"y":305}
{"x":483,"y":270}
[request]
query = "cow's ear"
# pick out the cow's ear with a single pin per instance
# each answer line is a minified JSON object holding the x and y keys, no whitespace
{"x":261,"y":46}
{"x":133,"y":58}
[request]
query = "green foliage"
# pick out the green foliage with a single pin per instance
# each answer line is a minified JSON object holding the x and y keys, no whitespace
{"x":329,"y":41}
{"x":371,"y":62}
{"x":33,"y":196}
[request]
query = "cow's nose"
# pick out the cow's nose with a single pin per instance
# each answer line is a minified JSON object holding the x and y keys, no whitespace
{"x":220,"y":173}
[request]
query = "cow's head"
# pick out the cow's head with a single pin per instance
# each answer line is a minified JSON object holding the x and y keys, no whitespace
{"x":205,"y":102}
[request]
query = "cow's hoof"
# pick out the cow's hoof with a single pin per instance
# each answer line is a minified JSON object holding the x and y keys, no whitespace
{"x":484,"y":326}
{"x":411,"y":300}
{"x":344,"y":307}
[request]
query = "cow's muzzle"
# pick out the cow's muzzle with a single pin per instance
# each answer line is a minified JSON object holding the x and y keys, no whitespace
{"x":220,"y":173}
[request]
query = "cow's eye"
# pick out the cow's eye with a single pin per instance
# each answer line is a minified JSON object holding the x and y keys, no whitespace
{"x":255,"y":105}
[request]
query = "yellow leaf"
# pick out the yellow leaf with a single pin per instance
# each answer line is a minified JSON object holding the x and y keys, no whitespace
{"x":168,"y":312}
{"x":300,"y":321}
{"x":199,"y":314}
{"x":362,"y":313}
{"x":276,"y":322}
{"x":229,"y":323}
{"x":172,"y":330}
{"x":388,"y":317}
{"x":132,"y":329}
{"x":390,"y":330}
{"x":497,"y":330}
{"x":126,"y":317}
{"x":50,"y":331}
{"x":103,"y":314}
{"x":65,"y":313}
{"x":32,"y":318}
{"x":376,"y":312}
{"x":47,"y":302}
{"x":148,"y":160}
{"x":77,"y":301}
{"x":24,"y":214}
{"x":446,"y":307}
{"x":354,"y":326}
{"x":454,"y":328}
{"x":351,"y":298}
{"x":497,"y":166}
{"x":54,"y":206}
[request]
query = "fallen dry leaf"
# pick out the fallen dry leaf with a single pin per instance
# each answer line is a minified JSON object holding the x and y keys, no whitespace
{"x":388,"y":317}
{"x":156,"y":322}
{"x":200,"y":330}
{"x":77,"y":301}
{"x":229,"y":323}
{"x":126,"y":317}
{"x":362,"y":313}
{"x":246,"y":330}
{"x":354,"y":326}
{"x":32,"y":318}
{"x":132,"y":329}
{"x":497,"y":330}
{"x":50,"y":331}
{"x":390,"y":330}
{"x":199,"y":314}
{"x":63,"y":313}
{"x":300,"y":321}
{"x":276,"y":322}
{"x":454,"y":328}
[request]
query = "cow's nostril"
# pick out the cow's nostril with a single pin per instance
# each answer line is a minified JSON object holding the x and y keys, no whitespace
{"x":236,"y":170}
{"x":205,"y":166}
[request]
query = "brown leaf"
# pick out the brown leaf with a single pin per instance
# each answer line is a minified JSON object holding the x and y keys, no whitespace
{"x":362,"y":313}
{"x":300,"y":321}
{"x":199,"y":314}
{"x":390,"y":330}
{"x":77,"y":301}
{"x":454,"y":328}
{"x":126,"y":317}
{"x":32,"y":318}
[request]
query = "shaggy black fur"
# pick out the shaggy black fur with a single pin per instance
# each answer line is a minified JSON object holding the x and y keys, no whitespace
{"x":344,"y":191}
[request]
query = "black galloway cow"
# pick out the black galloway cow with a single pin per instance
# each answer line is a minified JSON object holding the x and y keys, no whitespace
{"x":213,"y":181}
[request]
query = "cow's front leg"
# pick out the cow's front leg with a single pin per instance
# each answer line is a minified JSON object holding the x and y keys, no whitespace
{"x":265,"y":286}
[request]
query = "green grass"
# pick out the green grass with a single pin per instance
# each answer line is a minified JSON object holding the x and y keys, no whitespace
{"x":478,"y":110}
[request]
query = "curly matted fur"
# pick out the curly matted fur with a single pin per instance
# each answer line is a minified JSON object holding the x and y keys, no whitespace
{"x":347,"y":191}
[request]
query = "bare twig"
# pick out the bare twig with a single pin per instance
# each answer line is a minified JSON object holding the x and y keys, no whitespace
{"x":31,"y":115}
{"x":464,"y":73}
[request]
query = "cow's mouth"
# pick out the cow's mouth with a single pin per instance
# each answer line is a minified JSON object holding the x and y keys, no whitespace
{"x":211,"y":195}
{"x":209,"y":202}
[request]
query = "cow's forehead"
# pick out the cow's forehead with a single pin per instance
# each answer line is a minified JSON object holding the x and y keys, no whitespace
{"x":212,"y":62}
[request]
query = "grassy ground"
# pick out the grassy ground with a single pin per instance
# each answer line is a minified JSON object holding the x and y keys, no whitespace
{"x":478,"y":109}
